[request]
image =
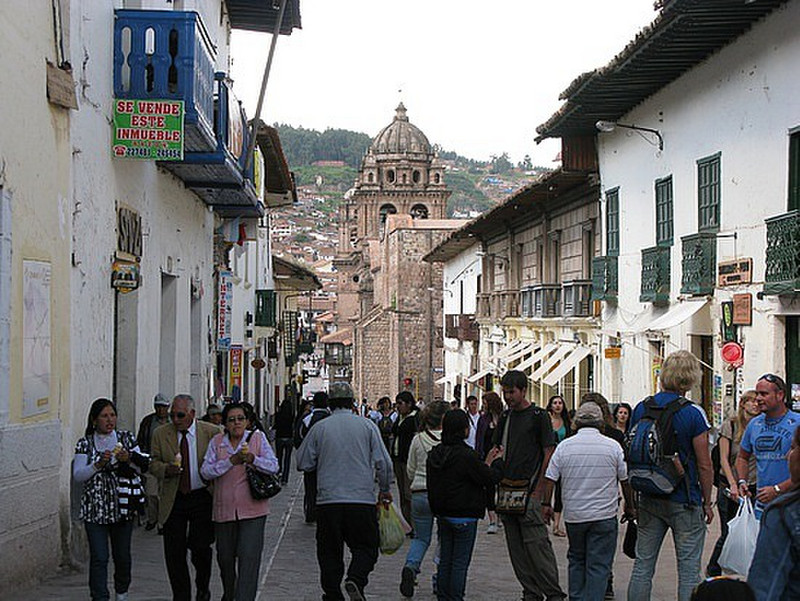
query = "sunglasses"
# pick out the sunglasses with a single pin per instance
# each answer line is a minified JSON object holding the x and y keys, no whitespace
{"x":773,"y":379}
{"x":178,"y":414}
{"x":236,"y":418}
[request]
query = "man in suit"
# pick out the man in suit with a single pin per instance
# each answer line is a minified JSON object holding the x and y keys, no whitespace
{"x":178,"y":450}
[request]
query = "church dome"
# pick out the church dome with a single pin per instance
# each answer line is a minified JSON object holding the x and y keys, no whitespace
{"x":401,"y":136}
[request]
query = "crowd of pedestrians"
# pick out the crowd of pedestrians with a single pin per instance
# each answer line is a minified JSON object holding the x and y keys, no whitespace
{"x":521,"y":467}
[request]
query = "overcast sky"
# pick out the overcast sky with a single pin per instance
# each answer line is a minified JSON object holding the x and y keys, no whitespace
{"x":476,"y":77}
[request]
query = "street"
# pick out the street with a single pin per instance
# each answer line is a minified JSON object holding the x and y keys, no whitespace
{"x":289,"y":567}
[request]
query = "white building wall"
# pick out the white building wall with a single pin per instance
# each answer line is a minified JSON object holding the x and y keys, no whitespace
{"x":741,"y":102}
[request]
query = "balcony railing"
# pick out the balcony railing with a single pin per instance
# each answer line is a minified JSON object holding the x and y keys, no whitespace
{"x":498,"y":305}
{"x":783,"y":254}
{"x":461,"y":327}
{"x":577,"y":296}
{"x":655,"y":275}
{"x":526,"y":302}
{"x":605,"y":278}
{"x":168,"y":55}
{"x":699,"y":263}
{"x":266,"y":309}
{"x":547,"y":300}
{"x":484,"y":305}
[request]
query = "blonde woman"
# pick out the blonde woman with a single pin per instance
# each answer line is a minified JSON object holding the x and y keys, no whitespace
{"x":729,"y":439}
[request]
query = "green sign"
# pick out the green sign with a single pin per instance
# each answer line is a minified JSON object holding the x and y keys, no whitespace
{"x":148,"y":129}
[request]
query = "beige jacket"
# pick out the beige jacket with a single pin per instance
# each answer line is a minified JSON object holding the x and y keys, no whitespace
{"x":421,"y":445}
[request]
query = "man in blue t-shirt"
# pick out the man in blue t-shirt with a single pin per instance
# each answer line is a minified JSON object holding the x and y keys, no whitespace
{"x":685,"y":512}
{"x":768,"y":436}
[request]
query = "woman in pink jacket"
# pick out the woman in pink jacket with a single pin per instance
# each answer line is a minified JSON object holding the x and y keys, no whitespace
{"x":238,"y":518}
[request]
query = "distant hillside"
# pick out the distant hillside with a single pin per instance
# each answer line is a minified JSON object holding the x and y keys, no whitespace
{"x":303,"y":147}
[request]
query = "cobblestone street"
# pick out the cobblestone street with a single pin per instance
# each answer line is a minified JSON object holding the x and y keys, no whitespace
{"x":289,"y":566}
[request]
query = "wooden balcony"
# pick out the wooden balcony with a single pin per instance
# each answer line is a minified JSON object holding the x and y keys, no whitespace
{"x":655,"y":287}
{"x":547,"y":300}
{"x":699,"y":264}
{"x":782,"y":274}
{"x":576,"y":298}
{"x":605,"y":278}
{"x":462,"y":327}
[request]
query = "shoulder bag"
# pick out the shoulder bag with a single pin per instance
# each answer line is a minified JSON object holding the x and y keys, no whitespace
{"x":262,"y":485}
{"x":512,"y":495}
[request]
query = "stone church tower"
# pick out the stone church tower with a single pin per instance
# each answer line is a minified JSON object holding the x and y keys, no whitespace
{"x":394,"y":215}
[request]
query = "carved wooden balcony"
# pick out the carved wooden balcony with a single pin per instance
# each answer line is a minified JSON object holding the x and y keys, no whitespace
{"x":699,"y":265}
{"x":655,"y":286}
{"x":605,"y":278}
{"x":782,"y":274}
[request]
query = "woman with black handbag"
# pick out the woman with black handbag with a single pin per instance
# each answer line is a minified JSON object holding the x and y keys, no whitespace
{"x":239,"y":517}
{"x":107,"y":462}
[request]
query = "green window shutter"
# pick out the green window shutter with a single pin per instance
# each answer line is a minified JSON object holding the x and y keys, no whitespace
{"x":794,"y":172}
{"x":664,"y":225}
{"x":612,"y":222}
{"x":708,"y":193}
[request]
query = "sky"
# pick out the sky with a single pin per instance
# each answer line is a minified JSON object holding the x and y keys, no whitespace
{"x":477,"y":77}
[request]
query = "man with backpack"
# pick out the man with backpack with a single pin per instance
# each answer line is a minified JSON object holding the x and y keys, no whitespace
{"x":669,"y":465}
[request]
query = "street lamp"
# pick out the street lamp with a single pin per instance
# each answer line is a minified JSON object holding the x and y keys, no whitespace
{"x":609,"y":126}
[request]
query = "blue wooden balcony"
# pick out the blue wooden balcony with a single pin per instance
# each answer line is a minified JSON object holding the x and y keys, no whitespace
{"x":168,"y":55}
{"x":219,"y":177}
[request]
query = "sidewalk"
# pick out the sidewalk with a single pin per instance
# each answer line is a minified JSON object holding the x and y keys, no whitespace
{"x":289,"y":566}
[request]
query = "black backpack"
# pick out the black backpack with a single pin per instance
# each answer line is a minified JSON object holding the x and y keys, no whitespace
{"x":654,"y":465}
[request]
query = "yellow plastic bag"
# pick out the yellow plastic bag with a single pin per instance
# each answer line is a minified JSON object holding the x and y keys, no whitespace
{"x":390,"y":528}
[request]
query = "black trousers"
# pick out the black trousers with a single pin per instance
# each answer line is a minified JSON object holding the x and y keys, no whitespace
{"x":310,"y":496}
{"x":355,"y":525}
{"x":189,"y":528}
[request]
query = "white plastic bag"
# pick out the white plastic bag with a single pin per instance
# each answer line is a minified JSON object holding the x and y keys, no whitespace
{"x":740,"y":545}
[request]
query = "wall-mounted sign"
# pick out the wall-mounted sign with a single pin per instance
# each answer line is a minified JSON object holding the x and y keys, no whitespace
{"x":148,"y":129}
{"x":742,"y":309}
{"x":738,"y":271}
{"x":125,"y":276}
{"x":224,"y":310}
{"x":613,"y":352}
{"x":235,"y":371}
{"x":726,"y":323}
{"x":129,"y":233}
{"x":258,"y":363}
{"x":732,"y":354}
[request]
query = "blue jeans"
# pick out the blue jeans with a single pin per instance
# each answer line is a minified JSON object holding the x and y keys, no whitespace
{"x":656,"y":516}
{"x":98,"y":535}
{"x":456,"y":542}
{"x":423,"y":530}
{"x":591,"y":553}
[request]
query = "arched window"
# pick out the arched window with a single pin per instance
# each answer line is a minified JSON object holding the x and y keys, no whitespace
{"x":405,"y":178}
{"x":416,"y":176}
{"x":419,"y":211}
{"x":385,"y":211}
{"x":370,"y":177}
{"x":390,"y":176}
{"x":437,"y":178}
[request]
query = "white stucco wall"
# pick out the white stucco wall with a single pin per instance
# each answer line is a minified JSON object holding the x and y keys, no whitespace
{"x":742,"y":102}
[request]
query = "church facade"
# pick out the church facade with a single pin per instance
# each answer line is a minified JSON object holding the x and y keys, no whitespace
{"x":394,"y":215}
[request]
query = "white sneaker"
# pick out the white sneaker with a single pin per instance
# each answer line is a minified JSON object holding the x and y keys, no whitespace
{"x":122,"y":596}
{"x":492,"y":528}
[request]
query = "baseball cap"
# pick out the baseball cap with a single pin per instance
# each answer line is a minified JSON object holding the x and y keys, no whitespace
{"x":160,"y":399}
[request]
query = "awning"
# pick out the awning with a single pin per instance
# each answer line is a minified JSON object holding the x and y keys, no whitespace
{"x":506,"y":350}
{"x":478,"y":375}
{"x":537,"y":356}
{"x":524,"y":349}
{"x":550,"y":362}
{"x":567,"y":364}
{"x":676,"y":315}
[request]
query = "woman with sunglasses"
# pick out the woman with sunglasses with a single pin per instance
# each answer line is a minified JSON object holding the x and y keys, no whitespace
{"x":238,"y":518}
{"x":104,"y":457}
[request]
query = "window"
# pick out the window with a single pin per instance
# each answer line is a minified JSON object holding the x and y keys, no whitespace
{"x":370,"y":177}
{"x":416,"y":176}
{"x":390,"y":176}
{"x":708,"y":193}
{"x":794,"y":171}
{"x":612,"y":222}
{"x":664,"y":211}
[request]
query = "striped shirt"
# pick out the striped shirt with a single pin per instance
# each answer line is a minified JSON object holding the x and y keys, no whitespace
{"x":590,"y":467}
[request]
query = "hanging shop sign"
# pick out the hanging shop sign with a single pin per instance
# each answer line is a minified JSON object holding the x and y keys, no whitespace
{"x":743,"y":309}
{"x":224,"y":310}
{"x":125,"y":276}
{"x":732,"y":273}
{"x":148,"y":129}
{"x":727,"y":327}
{"x":733,"y":354}
{"x":612,"y":352}
{"x":235,"y":370}
{"x":258,"y":363}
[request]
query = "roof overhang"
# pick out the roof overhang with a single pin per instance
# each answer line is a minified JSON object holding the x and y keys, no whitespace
{"x":343,"y":336}
{"x":261,"y":15}
{"x":279,"y":184}
{"x":684,"y":34}
{"x":292,"y":276}
{"x":542,"y":195}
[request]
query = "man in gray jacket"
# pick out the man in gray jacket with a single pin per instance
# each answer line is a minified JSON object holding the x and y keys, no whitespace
{"x":347,"y":452}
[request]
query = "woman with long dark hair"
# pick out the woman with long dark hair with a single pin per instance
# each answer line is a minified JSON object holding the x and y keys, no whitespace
{"x":559,"y":418}
{"x":487,"y":424}
{"x":284,"y":438}
{"x":457,"y":480}
{"x":107,"y":461}
{"x":622,"y":417}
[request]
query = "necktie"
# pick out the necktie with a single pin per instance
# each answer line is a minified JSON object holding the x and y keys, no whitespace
{"x":186,"y":482}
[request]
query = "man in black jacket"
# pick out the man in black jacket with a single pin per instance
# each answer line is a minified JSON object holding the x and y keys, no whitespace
{"x":403,"y":431}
